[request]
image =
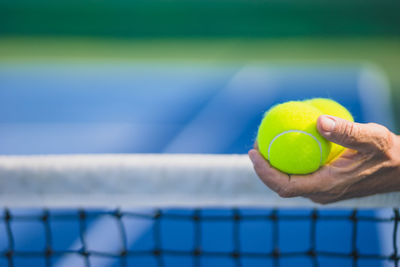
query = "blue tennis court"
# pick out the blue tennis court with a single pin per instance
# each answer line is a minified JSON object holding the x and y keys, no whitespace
{"x":52,"y":108}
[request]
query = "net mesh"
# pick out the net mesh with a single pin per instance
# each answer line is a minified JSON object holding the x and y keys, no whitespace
{"x":179,"y":210}
{"x":235,"y":222}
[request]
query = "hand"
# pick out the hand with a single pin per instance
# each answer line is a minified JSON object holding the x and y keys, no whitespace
{"x":369,"y":166}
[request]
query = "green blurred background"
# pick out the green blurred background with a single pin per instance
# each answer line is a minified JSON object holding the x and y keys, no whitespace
{"x":220,"y":31}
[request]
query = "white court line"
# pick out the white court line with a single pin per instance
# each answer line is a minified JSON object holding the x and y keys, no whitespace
{"x":235,"y":94}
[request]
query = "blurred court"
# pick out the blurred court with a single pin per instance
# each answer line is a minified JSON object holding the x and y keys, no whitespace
{"x":167,"y":108}
{"x":52,"y":108}
{"x":188,"y":76}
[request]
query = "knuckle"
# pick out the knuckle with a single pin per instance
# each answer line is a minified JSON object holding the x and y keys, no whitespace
{"x":383,"y":138}
{"x":374,"y":137}
{"x":350,"y":128}
{"x":351,"y":132}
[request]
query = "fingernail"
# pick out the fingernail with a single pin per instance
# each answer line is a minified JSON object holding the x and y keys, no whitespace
{"x":327,"y":124}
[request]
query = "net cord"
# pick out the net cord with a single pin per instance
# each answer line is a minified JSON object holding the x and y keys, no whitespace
{"x":162,"y":180}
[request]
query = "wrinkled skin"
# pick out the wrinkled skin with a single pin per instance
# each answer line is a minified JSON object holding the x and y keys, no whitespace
{"x":370,"y":165}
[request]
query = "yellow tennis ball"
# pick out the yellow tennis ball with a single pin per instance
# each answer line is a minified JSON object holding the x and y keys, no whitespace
{"x":333,"y":108}
{"x":288,"y":138}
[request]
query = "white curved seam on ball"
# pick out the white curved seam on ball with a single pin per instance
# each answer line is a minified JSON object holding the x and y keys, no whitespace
{"x":297,"y":131}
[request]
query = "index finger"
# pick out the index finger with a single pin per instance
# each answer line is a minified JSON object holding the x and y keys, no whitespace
{"x":271,"y":177}
{"x":290,"y":185}
{"x":315,"y":182}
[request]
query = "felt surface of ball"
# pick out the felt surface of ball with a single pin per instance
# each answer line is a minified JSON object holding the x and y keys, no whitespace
{"x":333,"y":108}
{"x":288,"y":138}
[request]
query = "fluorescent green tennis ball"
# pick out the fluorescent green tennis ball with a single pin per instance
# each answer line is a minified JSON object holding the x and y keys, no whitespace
{"x":288,"y":138}
{"x":333,"y":108}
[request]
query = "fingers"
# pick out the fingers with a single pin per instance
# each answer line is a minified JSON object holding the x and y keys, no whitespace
{"x":285,"y":185}
{"x":270,"y":176}
{"x":346,"y":159}
{"x":315,"y":182}
{"x":357,"y":136}
{"x":255,"y":145}
{"x":341,"y":178}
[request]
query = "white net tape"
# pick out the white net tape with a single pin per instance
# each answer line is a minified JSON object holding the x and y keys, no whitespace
{"x":162,"y":180}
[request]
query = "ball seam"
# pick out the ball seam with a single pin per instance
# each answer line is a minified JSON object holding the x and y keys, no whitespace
{"x":296,"y":131}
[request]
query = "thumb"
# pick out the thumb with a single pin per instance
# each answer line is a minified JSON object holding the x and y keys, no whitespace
{"x":357,"y":136}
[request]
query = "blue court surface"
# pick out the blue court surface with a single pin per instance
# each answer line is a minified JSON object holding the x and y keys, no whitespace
{"x":179,"y":108}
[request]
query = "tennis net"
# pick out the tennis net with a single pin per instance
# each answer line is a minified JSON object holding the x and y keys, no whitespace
{"x":179,"y":210}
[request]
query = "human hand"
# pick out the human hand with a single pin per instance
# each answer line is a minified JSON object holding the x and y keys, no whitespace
{"x":369,"y":166}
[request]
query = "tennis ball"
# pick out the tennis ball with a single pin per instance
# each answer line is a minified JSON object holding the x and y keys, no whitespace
{"x":288,"y":138}
{"x":331,"y":107}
